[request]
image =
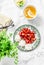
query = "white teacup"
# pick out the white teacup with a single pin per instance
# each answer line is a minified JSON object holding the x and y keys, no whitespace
{"x":30,"y":12}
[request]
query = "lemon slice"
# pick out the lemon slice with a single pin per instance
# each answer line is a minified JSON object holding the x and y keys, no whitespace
{"x":30,"y":13}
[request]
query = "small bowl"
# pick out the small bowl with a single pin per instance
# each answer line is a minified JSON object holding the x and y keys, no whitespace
{"x":18,"y":4}
{"x":31,"y":18}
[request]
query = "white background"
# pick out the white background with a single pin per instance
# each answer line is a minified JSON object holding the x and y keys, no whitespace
{"x":9,"y":8}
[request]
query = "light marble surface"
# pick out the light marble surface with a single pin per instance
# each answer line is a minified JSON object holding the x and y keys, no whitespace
{"x":8,"y":8}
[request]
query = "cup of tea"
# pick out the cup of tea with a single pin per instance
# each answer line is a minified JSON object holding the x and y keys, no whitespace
{"x":30,"y":12}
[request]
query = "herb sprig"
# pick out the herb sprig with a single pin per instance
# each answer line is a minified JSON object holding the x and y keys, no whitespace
{"x":7,"y":47}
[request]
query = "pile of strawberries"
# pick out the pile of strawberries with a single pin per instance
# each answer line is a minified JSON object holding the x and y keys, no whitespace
{"x":27,"y":35}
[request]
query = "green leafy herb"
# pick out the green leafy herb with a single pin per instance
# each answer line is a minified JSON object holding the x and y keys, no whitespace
{"x":21,"y":3}
{"x":7,"y":48}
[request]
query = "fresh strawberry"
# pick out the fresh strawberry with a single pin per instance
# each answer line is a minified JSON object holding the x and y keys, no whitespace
{"x":27,"y":35}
